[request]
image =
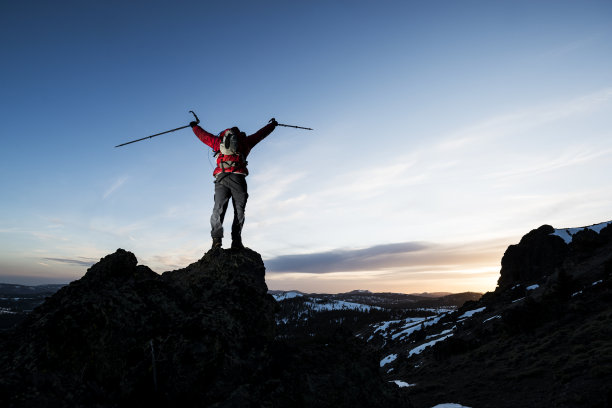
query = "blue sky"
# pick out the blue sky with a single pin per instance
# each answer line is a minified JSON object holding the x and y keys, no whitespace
{"x":444,"y":131}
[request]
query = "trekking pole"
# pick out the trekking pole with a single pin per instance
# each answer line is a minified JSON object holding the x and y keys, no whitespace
{"x":162,"y":133}
{"x":293,"y":126}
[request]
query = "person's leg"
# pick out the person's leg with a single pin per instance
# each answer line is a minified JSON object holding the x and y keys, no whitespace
{"x":239,"y":200}
{"x":222,"y":196}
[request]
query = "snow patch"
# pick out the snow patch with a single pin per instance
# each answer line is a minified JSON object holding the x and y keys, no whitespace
{"x":443,"y":333}
{"x":383,"y":326}
{"x":339,"y":305}
{"x":286,"y":295}
{"x":442,"y":309}
{"x":402,"y":384}
{"x":592,"y":284}
{"x":390,"y":358}
{"x":406,"y":332}
{"x":471,"y":313}
{"x":414,"y":324}
{"x":419,"y":349}
{"x":567,"y":234}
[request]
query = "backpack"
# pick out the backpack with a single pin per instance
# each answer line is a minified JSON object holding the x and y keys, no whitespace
{"x":229,"y":146}
{"x":229,"y":143}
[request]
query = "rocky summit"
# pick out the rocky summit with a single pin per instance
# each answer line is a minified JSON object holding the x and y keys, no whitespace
{"x":202,"y":336}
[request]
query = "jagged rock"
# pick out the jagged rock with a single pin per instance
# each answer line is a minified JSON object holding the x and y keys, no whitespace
{"x":123,"y":333}
{"x":538,"y":254}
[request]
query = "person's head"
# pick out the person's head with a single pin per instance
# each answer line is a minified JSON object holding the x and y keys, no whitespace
{"x":233,"y":130}
{"x":229,"y":131}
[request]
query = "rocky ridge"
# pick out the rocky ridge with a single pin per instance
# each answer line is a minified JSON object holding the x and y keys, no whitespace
{"x":195,"y":337}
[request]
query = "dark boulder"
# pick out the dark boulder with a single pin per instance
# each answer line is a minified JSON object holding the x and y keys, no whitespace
{"x":537,"y":255}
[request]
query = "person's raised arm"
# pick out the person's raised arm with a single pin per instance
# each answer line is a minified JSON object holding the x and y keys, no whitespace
{"x":207,"y":138}
{"x":258,"y":136}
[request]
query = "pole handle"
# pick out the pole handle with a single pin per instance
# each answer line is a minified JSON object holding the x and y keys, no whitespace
{"x":195,"y":116}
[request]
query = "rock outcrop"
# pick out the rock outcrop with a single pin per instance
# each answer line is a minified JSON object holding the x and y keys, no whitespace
{"x":125,"y":334}
{"x":540,"y":255}
{"x":535,"y":256}
{"x":202,"y":336}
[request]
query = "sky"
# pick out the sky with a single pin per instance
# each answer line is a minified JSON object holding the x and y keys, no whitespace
{"x":443,"y":132}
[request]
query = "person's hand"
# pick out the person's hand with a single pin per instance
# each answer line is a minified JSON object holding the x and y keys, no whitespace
{"x":192,"y":124}
{"x":274,"y":122}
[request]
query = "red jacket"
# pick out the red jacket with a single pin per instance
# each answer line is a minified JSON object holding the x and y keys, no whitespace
{"x":245,"y":146}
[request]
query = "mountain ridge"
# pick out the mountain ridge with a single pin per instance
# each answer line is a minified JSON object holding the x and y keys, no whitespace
{"x":203,"y":335}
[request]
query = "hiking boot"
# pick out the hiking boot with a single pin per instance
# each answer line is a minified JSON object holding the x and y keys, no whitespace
{"x":216,"y":243}
{"x":237,"y":243}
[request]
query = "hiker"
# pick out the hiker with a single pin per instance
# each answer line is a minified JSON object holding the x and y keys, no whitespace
{"x":231,"y":149}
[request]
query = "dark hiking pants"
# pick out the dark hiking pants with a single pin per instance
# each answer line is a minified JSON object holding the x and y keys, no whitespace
{"x":228,"y":186}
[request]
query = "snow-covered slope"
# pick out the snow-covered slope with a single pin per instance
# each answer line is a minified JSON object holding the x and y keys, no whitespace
{"x":278,"y":296}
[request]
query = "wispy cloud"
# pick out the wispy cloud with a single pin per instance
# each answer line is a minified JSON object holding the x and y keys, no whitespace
{"x":172,"y":261}
{"x":417,"y":256}
{"x":520,"y":121}
{"x":117,"y":184}
{"x":47,"y":236}
{"x":341,"y":260}
{"x":571,"y":46}
{"x":81,"y":261}
{"x":542,"y":165}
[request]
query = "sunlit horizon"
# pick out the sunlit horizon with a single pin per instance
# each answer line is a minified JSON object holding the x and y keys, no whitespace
{"x":443,"y":132}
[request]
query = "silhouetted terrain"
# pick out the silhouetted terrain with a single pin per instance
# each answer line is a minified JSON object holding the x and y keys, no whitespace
{"x":201,"y":336}
{"x":543,"y":338}
{"x":211,"y":335}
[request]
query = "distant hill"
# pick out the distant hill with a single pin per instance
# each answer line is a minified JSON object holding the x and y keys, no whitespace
{"x":387,"y":300}
{"x":432,"y":294}
{"x":7,"y":289}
